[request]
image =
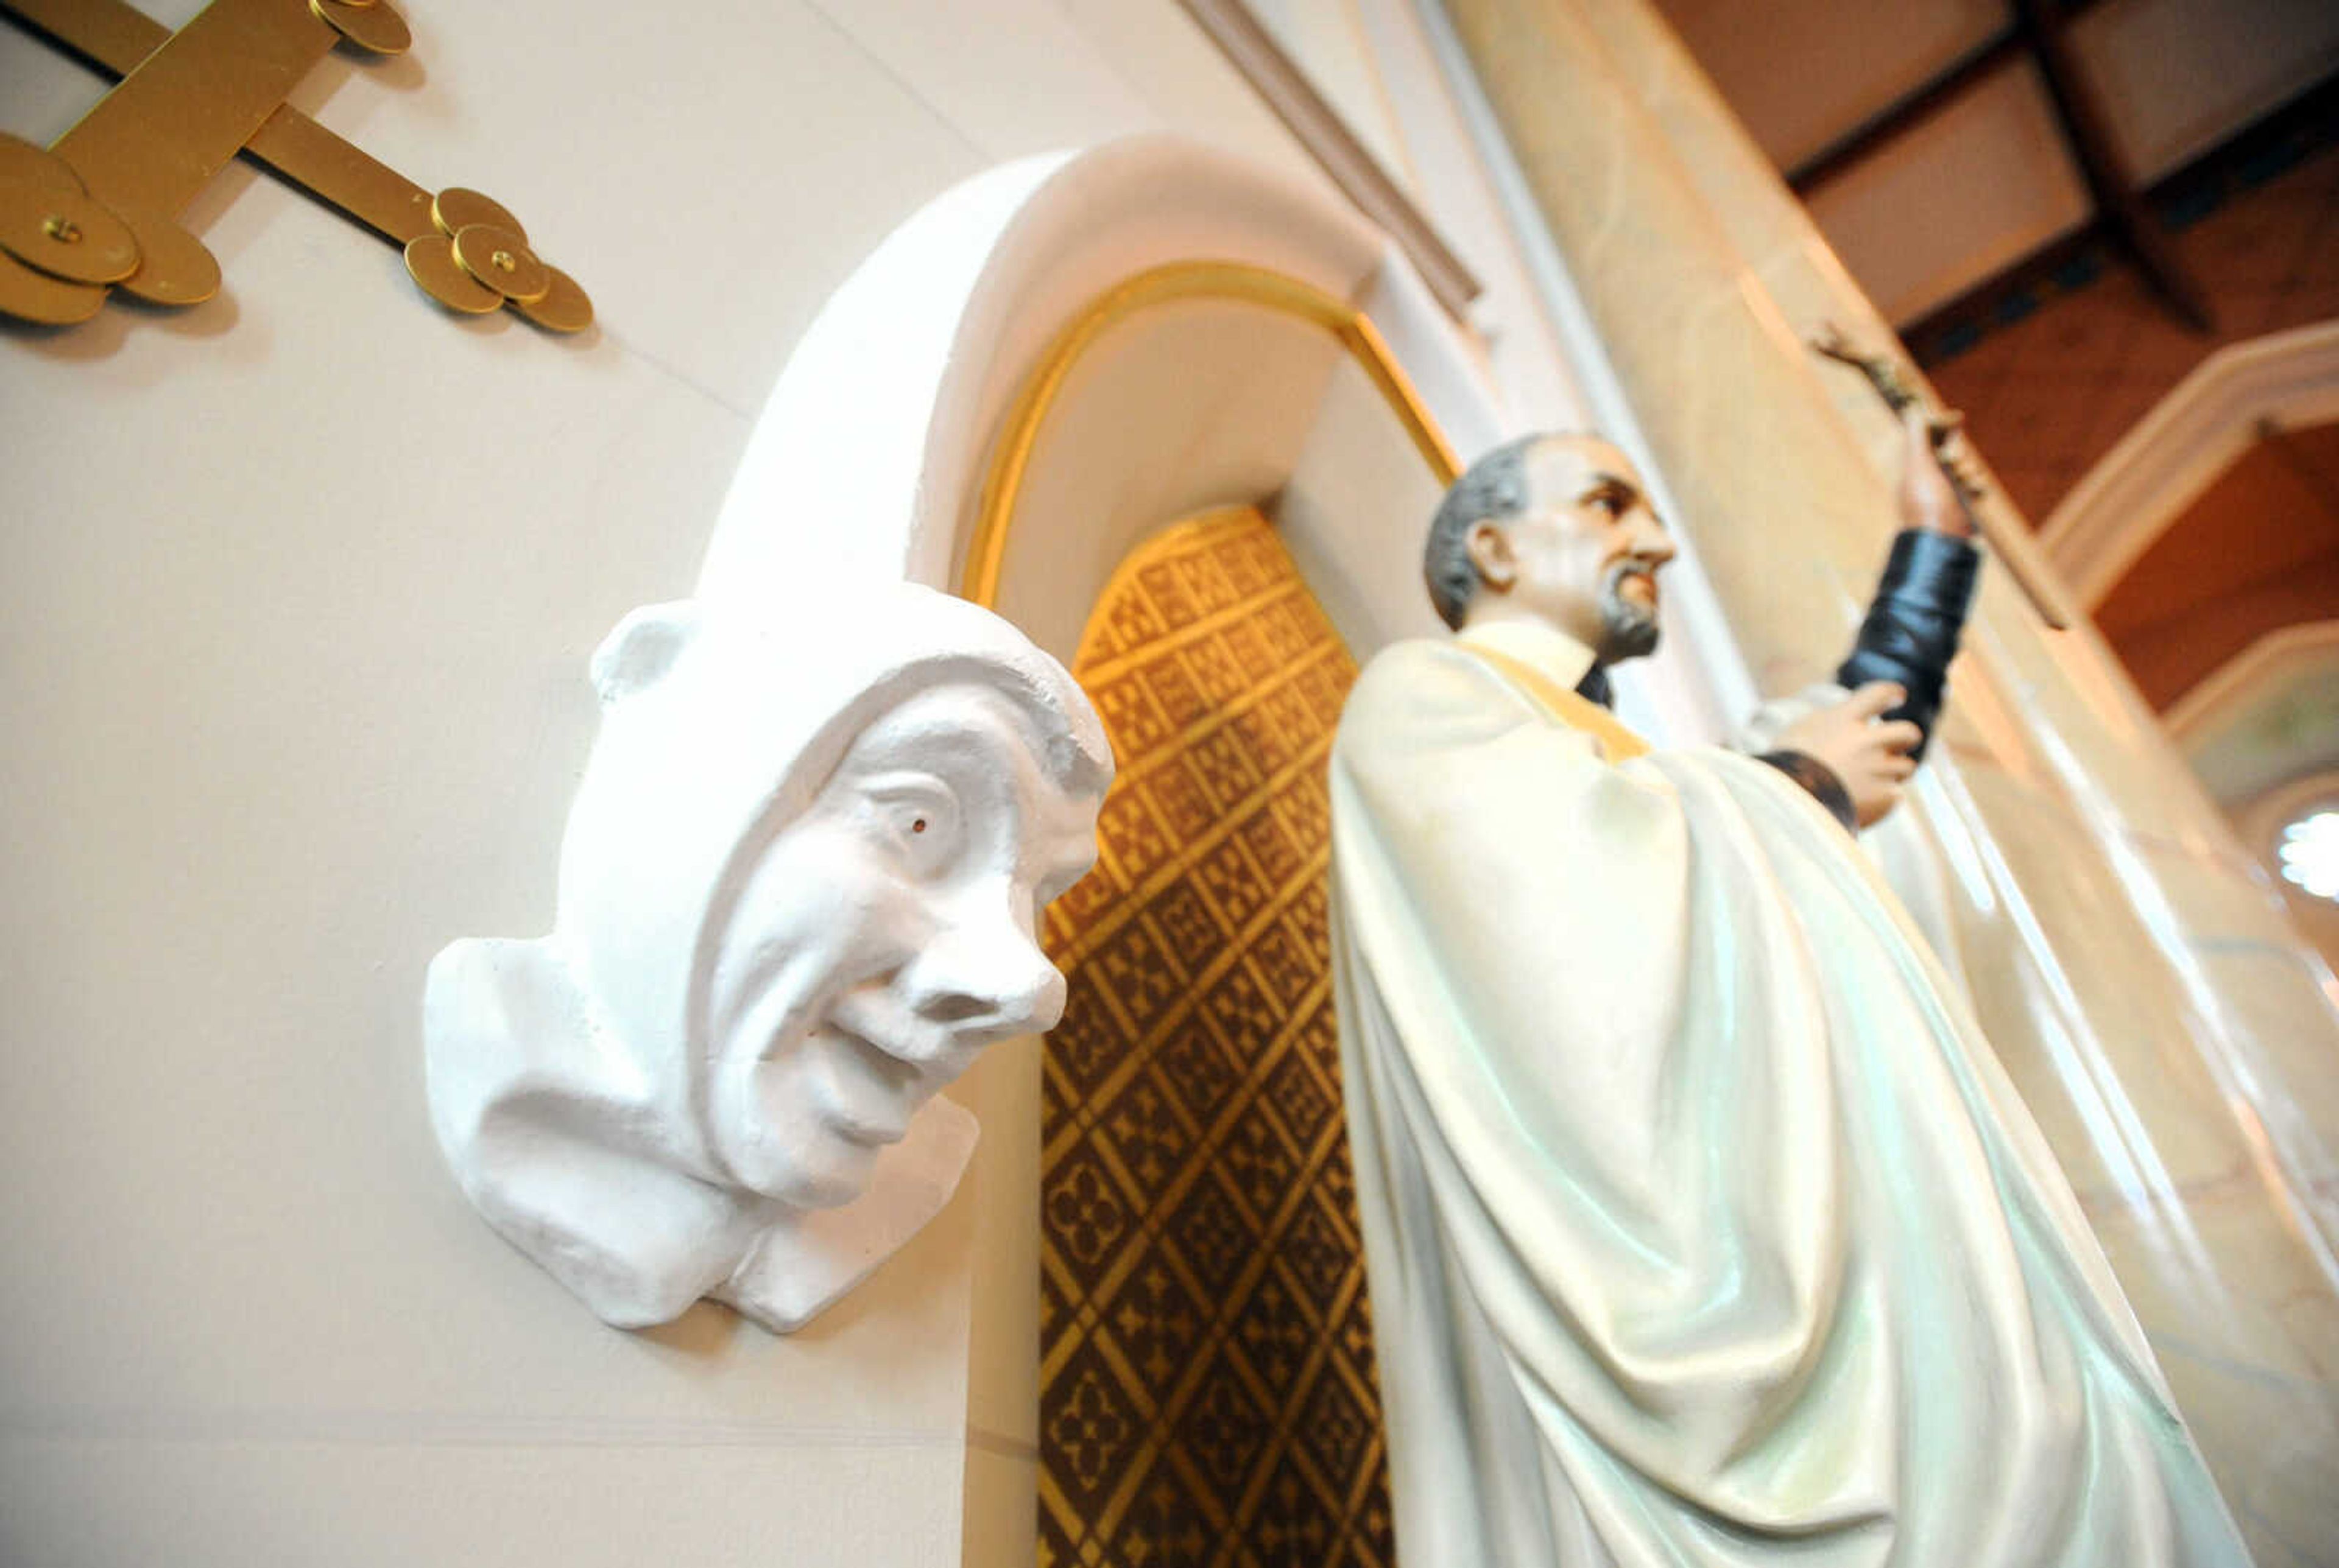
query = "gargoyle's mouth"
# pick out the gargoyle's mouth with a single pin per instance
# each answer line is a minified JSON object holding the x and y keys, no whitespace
{"x":868,"y":1093}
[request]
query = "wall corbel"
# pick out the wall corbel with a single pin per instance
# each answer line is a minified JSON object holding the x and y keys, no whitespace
{"x":797,"y":894}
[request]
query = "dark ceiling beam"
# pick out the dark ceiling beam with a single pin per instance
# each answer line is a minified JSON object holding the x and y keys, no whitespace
{"x":2022,"y":278}
{"x":2309,"y":119}
{"x":1905,"y":111}
{"x":2039,"y":33}
{"x":1919,"y":102}
{"x":2118,"y":201}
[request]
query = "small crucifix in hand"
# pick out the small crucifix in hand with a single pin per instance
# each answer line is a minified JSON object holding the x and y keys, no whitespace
{"x":1950,"y":449}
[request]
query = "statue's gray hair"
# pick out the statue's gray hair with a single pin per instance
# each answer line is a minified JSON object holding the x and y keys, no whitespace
{"x":1495,"y":487}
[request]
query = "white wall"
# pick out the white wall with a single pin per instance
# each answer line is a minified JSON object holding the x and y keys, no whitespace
{"x":296,"y":591}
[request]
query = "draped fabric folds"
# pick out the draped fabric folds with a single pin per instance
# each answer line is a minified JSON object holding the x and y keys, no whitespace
{"x":1703,"y":1225}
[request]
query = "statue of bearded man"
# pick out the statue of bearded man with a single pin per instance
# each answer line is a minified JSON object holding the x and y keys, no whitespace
{"x":1702,"y":1226}
{"x":797,"y":897}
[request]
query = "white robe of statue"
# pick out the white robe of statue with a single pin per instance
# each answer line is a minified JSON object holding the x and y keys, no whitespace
{"x":1703,"y":1225}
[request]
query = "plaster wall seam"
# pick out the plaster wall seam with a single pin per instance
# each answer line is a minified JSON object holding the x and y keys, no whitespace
{"x":743,"y":417}
{"x":1004,"y":1443}
{"x":363,"y":1428}
{"x":910,"y":89}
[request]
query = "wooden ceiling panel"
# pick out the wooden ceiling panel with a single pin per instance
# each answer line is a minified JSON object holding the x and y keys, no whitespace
{"x":1801,"y":72}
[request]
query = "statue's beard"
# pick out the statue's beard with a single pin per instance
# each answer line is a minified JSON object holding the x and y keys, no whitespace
{"x":1628,"y":629}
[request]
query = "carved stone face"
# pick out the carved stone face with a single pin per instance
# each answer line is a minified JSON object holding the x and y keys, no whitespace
{"x":885,"y":938}
{"x":797,"y":894}
{"x":1584,"y":554}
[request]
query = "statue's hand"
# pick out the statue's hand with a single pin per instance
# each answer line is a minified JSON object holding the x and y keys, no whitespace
{"x":1871,"y":757}
{"x":1929,"y":500}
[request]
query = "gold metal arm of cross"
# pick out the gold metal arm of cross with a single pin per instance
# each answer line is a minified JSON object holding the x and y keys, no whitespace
{"x":99,"y":209}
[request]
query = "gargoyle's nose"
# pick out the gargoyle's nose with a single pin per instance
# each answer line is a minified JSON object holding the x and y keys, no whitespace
{"x":995,"y":980}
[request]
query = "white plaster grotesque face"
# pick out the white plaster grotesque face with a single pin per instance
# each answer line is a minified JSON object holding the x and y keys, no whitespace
{"x":1585,"y":554}
{"x":885,"y":938}
{"x":798,"y":893}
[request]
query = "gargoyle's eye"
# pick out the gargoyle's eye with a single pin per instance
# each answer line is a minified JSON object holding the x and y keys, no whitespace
{"x":916,"y":814}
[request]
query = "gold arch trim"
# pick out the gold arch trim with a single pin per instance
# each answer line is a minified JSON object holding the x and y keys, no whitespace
{"x":1178,"y":281}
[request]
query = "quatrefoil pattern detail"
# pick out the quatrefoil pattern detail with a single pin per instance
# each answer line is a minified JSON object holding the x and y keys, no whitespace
{"x":1208,"y":1392}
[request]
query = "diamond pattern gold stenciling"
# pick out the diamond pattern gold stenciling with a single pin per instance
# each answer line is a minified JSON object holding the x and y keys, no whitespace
{"x":1207,"y":1383}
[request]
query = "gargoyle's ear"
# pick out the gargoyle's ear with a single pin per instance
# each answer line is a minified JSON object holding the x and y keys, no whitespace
{"x":637,"y":654}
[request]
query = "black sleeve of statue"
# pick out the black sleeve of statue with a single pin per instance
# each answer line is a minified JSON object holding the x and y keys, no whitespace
{"x":1820,"y":780}
{"x":1911,"y":630}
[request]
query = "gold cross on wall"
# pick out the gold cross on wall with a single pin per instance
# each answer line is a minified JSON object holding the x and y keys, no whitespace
{"x":99,"y":209}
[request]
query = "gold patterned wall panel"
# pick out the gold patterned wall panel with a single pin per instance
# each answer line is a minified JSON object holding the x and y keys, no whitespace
{"x":1207,"y":1381}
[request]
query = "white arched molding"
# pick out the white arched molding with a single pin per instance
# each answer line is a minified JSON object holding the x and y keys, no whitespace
{"x":1036,"y":370}
{"x":873,"y":452}
{"x":2162,"y":465}
{"x":2267,"y":716}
